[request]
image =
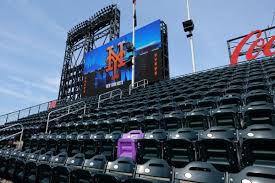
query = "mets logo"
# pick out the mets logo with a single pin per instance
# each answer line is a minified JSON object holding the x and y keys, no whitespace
{"x":114,"y":60}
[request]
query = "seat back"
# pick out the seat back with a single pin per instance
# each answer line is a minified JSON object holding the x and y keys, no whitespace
{"x":76,"y":161}
{"x":59,"y":159}
{"x":155,"y":170}
{"x":62,"y":144}
{"x":44,"y":158}
{"x":172,"y":120}
{"x":226,"y":116}
{"x":258,"y":113}
{"x":197,"y":119}
{"x":117,"y":171}
{"x":109,"y":146}
{"x":151,"y":146}
{"x":73,"y":144}
{"x":217,"y":146}
{"x":258,"y":145}
{"x":180,"y":149}
{"x":96,"y":164}
{"x":51,"y":142}
{"x":199,"y":172}
{"x":253,"y":174}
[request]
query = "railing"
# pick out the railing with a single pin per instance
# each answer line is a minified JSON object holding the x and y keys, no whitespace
{"x":15,"y":134}
{"x":22,"y":113}
{"x":67,"y":112}
{"x":110,"y":95}
{"x":138,"y":84}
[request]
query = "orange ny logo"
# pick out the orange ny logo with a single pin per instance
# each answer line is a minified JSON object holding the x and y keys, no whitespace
{"x":114,"y":60}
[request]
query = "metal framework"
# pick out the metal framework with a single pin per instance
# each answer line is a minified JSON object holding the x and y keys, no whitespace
{"x":15,"y":134}
{"x":24,"y":113}
{"x":67,"y":112}
{"x":84,"y":37}
{"x":233,"y":43}
{"x":165,"y":55}
{"x":142,"y":83}
{"x":108,"y":96}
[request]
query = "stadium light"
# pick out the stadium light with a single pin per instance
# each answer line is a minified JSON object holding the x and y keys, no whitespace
{"x":189,"y":27}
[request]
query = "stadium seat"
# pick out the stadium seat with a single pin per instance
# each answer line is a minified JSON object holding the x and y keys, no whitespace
{"x":73,"y":144}
{"x":28,"y":170}
{"x":45,"y":161}
{"x":51,"y":142}
{"x":258,"y":113}
{"x":117,"y":171}
{"x":152,"y":122}
{"x":187,"y":105}
{"x":91,"y":167}
{"x":257,"y":95}
{"x":199,"y":172}
{"x":172,"y":121}
{"x":230,"y":99}
{"x":61,"y":174}
{"x":218,"y":146}
{"x":90,"y":125}
{"x":108,"y":146}
{"x":18,"y":175}
{"x":207,"y":102}
{"x":179,"y":149}
{"x":256,"y":86}
{"x":135,"y":123}
{"x":120,"y":124}
{"x":62,"y":144}
{"x":253,"y":174}
{"x":226,"y":116}
{"x":180,"y":98}
{"x":33,"y":143}
{"x":90,"y":147}
{"x":168,"y":107}
{"x":197,"y":119}
{"x":151,"y":146}
{"x":258,"y":145}
{"x":11,"y":162}
{"x":153,"y":171}
{"x":4,"y":160}
{"x":234,"y":89}
{"x":104,"y":125}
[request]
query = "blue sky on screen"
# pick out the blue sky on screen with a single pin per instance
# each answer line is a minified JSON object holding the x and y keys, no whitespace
{"x":33,"y":35}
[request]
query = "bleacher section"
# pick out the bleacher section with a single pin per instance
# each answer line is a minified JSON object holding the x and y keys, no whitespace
{"x":209,"y":127}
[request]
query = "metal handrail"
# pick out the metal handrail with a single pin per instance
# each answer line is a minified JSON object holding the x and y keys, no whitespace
{"x":110,"y":97}
{"x":21,"y":132}
{"x":136,"y":85}
{"x":17,"y":113}
{"x":68,"y":112}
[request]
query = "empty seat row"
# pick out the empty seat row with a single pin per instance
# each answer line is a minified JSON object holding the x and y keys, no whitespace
{"x":226,"y":148}
{"x":38,"y":167}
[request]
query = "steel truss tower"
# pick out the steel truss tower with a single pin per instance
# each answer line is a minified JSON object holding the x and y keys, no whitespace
{"x":86,"y":36}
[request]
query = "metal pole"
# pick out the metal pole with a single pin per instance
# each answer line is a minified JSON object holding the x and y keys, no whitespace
{"x":134,"y":49}
{"x":193,"y":54}
{"x":191,"y":40}
{"x":188,"y":10}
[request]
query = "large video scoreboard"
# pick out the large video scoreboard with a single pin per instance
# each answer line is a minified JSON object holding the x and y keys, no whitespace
{"x":109,"y":67}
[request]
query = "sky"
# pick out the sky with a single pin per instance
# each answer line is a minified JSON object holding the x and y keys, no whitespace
{"x":33,"y":35}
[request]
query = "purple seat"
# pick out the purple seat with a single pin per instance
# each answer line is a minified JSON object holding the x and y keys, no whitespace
{"x":127,"y":146}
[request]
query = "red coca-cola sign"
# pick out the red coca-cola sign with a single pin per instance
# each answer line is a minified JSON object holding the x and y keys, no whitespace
{"x":257,"y":47}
